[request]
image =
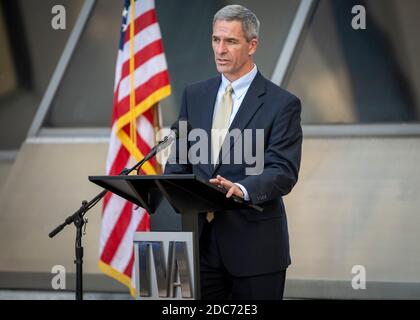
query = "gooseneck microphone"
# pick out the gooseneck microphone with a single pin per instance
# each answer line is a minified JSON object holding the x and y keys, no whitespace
{"x":179,"y":130}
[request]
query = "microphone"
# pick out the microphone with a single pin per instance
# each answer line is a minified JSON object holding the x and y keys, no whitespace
{"x":182,"y":128}
{"x":179,"y":130}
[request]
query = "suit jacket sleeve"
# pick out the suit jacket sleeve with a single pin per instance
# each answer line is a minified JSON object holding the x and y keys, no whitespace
{"x":281,"y":157}
{"x":178,"y":163}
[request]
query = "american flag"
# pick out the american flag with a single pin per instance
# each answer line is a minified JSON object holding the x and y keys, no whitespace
{"x":141,"y":81}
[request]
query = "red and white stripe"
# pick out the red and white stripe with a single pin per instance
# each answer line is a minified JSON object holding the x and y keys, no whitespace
{"x":119,"y":220}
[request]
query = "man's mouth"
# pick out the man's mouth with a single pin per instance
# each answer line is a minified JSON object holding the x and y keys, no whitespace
{"x":222,"y":61}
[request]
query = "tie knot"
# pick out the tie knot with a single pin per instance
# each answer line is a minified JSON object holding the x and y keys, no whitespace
{"x":229,"y":89}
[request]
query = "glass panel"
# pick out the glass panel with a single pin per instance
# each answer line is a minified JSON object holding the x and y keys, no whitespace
{"x":345,"y":75}
{"x":8,"y":77}
{"x":29,"y":51}
{"x":85,"y":95}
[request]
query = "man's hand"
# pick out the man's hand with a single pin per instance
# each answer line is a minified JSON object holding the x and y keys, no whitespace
{"x":227,"y":185}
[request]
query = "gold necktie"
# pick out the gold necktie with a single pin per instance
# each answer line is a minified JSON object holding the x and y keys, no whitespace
{"x":220,"y":128}
{"x":221,"y":123}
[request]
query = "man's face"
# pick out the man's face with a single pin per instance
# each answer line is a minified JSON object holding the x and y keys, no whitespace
{"x":232,"y":52}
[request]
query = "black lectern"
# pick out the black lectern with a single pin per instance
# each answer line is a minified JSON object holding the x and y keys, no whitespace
{"x":188,"y":194}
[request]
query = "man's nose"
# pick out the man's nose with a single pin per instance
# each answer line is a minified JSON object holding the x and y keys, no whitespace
{"x":221,"y":48}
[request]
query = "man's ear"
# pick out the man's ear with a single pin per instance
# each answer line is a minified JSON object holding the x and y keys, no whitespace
{"x":253,"y":44}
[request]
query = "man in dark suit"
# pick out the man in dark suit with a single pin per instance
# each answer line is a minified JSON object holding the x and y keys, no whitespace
{"x":244,"y":254}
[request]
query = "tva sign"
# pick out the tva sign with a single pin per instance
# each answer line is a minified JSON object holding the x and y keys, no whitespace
{"x":164,"y":265}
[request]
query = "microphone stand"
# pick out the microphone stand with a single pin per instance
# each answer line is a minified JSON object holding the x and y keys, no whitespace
{"x":79,"y":221}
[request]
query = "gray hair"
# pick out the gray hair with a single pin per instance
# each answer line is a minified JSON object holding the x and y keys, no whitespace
{"x":250,"y":22}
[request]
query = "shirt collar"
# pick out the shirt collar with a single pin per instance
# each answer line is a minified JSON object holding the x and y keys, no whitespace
{"x":241,"y":85}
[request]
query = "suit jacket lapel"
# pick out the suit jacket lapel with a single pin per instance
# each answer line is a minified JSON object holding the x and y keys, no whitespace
{"x":209,"y":100}
{"x":250,"y":105}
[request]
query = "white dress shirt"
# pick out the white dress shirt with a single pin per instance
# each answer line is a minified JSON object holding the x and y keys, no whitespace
{"x":240,"y":88}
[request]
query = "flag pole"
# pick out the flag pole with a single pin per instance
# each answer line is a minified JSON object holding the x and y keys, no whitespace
{"x":157,"y":125}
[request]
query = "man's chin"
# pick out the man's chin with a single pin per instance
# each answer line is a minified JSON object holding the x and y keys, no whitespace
{"x":222,"y":69}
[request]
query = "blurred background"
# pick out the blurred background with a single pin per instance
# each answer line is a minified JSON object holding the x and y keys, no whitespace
{"x":358,"y":198}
